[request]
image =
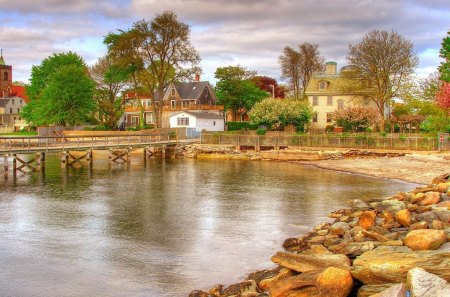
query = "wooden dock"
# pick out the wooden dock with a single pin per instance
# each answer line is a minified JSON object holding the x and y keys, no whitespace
{"x":119,"y":149}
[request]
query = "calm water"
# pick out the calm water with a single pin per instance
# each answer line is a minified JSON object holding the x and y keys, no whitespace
{"x":163,"y":229}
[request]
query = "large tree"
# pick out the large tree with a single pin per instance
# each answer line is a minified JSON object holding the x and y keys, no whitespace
{"x":110,"y":79}
{"x":444,"y":69}
{"x":60,"y":91}
{"x":384,"y":61}
{"x":162,"y":48}
{"x":235,"y":90}
{"x":269,"y":85}
{"x":299,"y":66}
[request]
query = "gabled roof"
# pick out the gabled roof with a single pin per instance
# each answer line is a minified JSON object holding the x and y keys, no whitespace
{"x":4,"y":101}
{"x":190,"y":90}
{"x":201,"y":114}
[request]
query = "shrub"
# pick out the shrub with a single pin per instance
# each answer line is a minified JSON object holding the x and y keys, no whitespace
{"x":261,"y":131}
{"x":131,"y":129}
{"x":101,"y":128}
{"x":354,"y":118}
{"x":329,"y":128}
{"x":235,"y":126}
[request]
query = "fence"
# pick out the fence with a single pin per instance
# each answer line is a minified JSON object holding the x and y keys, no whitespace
{"x":324,"y":140}
{"x":6,"y":130}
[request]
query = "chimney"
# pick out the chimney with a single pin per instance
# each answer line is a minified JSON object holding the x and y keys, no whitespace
{"x":197,"y":77}
{"x":331,"y":68}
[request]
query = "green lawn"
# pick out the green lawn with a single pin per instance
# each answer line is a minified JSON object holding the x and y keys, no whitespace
{"x":33,"y":133}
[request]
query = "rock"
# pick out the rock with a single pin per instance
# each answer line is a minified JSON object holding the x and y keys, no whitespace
{"x":445,"y":247}
{"x":422,"y":209}
{"x":258,"y":276}
{"x":371,"y":290}
{"x":304,"y":263}
{"x":428,"y":217}
{"x":367,"y":219}
{"x":330,"y":281}
{"x":388,"y":205}
{"x":393,"y":243}
{"x":430,"y":198}
{"x":398,"y":290}
{"x":403,"y":217}
{"x":267,"y":283}
{"x":443,"y":178}
{"x":445,"y":204}
{"x":442,"y":215}
{"x":354,"y":249}
{"x":443,"y":292}
{"x":389,"y":264}
{"x":317,"y":240}
{"x":198,"y":293}
{"x":425,"y":239}
{"x":379,"y":229}
{"x":419,"y":225}
{"x":246,"y":288}
{"x":375,"y":236}
{"x":417,"y":198}
{"x":423,"y":284}
{"x":339,"y":228}
{"x":359,"y":204}
{"x":443,"y":187}
{"x":412,"y":207}
{"x":437,"y":225}
{"x":293,"y":244}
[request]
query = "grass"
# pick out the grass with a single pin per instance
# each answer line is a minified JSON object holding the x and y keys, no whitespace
{"x":32,"y":133}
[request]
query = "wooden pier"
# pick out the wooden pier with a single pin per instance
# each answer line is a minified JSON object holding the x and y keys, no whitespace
{"x":28,"y":154}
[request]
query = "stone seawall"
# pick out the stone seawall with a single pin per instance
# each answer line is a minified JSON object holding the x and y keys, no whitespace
{"x":391,"y":247}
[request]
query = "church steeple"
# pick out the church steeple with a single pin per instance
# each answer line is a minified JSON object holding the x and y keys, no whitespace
{"x":2,"y":61}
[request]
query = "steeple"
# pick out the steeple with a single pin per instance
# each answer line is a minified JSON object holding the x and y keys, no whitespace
{"x":2,"y":61}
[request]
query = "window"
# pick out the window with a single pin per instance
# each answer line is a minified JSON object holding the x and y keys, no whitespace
{"x":172,"y":92}
{"x":134,"y":120}
{"x":329,"y":117}
{"x":18,"y":110}
{"x":315,"y":100}
{"x":214,"y":123}
{"x":322,"y":85}
{"x":330,"y":100}
{"x":20,"y":101}
{"x":5,"y":76}
{"x":10,"y":110}
{"x":12,"y":101}
{"x":340,"y":104}
{"x":315,"y":116}
{"x":172,"y":103}
{"x":182,"y":121}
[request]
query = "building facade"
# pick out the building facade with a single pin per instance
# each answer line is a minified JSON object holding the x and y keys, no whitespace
{"x":326,"y":93}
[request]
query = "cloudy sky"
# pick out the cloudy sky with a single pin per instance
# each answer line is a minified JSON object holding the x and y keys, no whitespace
{"x":251,"y":33}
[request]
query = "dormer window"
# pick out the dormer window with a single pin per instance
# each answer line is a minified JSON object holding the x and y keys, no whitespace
{"x":323,"y":85}
{"x":5,"y":76}
{"x":172,"y":92}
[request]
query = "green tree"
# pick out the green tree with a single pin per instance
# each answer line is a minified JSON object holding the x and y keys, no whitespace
{"x":60,"y":92}
{"x":444,"y":69}
{"x":383,"y":62}
{"x":110,"y":79}
{"x":275,"y":113}
{"x":160,"y":47}
{"x":235,"y":90}
{"x":356,"y":118}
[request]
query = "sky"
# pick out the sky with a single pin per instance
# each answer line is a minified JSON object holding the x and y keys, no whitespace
{"x":250,"y":33}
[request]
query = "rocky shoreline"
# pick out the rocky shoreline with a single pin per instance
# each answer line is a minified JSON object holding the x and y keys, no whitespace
{"x":395,"y":246}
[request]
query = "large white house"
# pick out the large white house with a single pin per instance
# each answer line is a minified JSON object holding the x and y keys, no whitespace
{"x":198,"y":120}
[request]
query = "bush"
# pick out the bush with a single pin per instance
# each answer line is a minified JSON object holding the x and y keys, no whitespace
{"x":235,"y":126}
{"x":383,"y":133}
{"x":131,"y":129}
{"x":369,"y":130}
{"x":261,"y":131}
{"x":149,"y":126}
{"x":101,"y":128}
{"x":329,"y":128}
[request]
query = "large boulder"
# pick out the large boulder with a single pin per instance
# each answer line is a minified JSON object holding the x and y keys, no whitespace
{"x":403,"y":217}
{"x":425,"y":239}
{"x":339,"y":228}
{"x":330,"y":281}
{"x":367,"y":219}
{"x":308,"y":262}
{"x":390,"y":264}
{"x":371,"y":290}
{"x":388,"y":205}
{"x":424,"y":284}
{"x":398,"y":290}
{"x":430,"y":198}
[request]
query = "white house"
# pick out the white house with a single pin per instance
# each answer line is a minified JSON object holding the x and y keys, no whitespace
{"x":200,"y":120}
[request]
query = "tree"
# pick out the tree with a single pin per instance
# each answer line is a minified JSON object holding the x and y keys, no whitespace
{"x":235,"y":90}
{"x":162,"y":48}
{"x":110,"y":80}
{"x":280,"y":113}
{"x":269,"y":85}
{"x":384,"y":61}
{"x":444,"y":68}
{"x":299,"y":66}
{"x":60,"y":91}
{"x":443,"y":97}
{"x":356,"y":118}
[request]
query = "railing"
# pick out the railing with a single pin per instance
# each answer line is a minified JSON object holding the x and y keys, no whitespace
{"x":323,"y":140}
{"x":178,"y":108}
{"x":36,"y":143}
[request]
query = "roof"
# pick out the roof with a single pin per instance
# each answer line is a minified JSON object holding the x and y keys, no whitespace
{"x":2,"y":61}
{"x":19,"y":91}
{"x":132,"y":95}
{"x":190,"y":90}
{"x":331,"y":63}
{"x":201,"y":114}
{"x":4,"y":101}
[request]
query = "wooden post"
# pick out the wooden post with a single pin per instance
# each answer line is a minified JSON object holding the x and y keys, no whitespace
{"x":110,"y":155}
{"x":238,"y":145}
{"x":38,"y":161}
{"x":129,"y":154}
{"x":64,"y":159}
{"x":163,"y":152}
{"x":43,"y":161}
{"x":89,"y":158}
{"x":5,"y":165}
{"x":14,"y":164}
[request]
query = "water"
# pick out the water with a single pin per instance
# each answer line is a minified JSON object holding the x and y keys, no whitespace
{"x":163,"y":229}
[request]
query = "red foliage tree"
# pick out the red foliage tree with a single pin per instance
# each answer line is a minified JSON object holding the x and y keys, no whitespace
{"x":265,"y":83}
{"x":443,"y":97}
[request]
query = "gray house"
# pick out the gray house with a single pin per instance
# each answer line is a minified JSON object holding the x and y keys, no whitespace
{"x":9,"y":111}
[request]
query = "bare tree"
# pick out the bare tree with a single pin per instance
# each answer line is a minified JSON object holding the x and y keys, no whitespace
{"x":385,"y":62}
{"x":298,"y":66}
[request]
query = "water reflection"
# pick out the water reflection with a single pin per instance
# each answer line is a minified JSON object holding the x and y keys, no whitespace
{"x":161,"y":228}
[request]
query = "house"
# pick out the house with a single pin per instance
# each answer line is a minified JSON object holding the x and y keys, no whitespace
{"x":326,"y":94}
{"x":198,"y":120}
{"x":12,"y":99}
{"x":197,"y":96}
